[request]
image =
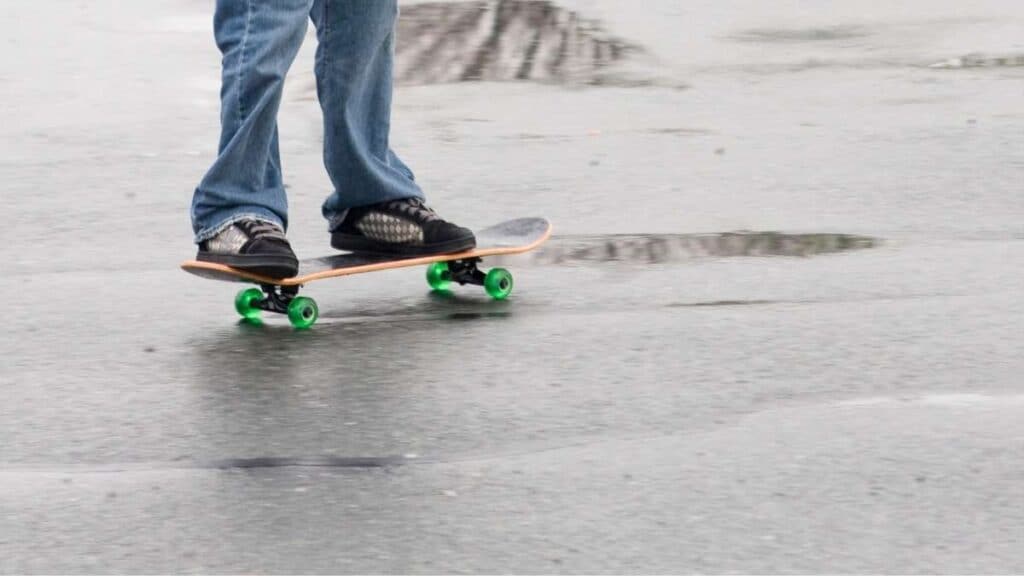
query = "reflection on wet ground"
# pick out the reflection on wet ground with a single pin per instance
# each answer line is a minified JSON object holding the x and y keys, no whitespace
{"x":504,"y":40}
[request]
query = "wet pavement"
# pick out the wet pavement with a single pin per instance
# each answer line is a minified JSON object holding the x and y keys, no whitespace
{"x":778,"y":328}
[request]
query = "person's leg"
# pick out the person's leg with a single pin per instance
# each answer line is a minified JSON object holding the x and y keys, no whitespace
{"x":259,"y":41}
{"x":354,"y":64}
{"x":353,"y":71}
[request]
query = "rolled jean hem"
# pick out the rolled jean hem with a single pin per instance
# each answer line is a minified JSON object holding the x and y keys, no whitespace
{"x":211,"y":231}
{"x":335,"y":220}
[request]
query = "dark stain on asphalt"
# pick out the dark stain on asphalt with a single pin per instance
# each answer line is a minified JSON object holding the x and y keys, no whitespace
{"x":308,"y":462}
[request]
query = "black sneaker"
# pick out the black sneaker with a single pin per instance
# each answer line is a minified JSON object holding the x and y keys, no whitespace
{"x":404,"y":227}
{"x":254,"y":246}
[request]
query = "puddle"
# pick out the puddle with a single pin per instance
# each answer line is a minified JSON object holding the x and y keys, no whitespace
{"x":667,"y":248}
{"x":506,"y":40}
{"x":800,"y":35}
{"x":976,"y":60}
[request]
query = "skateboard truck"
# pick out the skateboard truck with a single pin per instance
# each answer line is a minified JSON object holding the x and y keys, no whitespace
{"x":302,"y":312}
{"x":497,"y":281}
{"x":466,"y":272}
{"x":277,"y":298}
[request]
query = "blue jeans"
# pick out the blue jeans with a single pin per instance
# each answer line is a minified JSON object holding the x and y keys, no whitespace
{"x":259,"y":40}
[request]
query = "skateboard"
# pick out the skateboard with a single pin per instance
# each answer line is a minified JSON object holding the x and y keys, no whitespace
{"x":281,"y":296}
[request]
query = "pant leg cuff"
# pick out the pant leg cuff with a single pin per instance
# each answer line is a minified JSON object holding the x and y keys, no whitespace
{"x":210,"y":231}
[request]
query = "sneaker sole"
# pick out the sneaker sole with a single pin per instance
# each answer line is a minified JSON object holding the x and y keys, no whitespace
{"x":262,"y":264}
{"x":350,"y":243}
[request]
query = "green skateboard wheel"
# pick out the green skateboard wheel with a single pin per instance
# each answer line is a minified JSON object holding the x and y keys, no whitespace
{"x":303,"y":312}
{"x":498,"y":283}
{"x":245,"y":303}
{"x":438,"y":276}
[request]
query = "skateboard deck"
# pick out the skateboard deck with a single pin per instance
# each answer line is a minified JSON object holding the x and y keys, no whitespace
{"x":281,"y":295}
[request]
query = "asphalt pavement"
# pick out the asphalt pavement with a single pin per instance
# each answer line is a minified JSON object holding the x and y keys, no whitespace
{"x":778,"y":328}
